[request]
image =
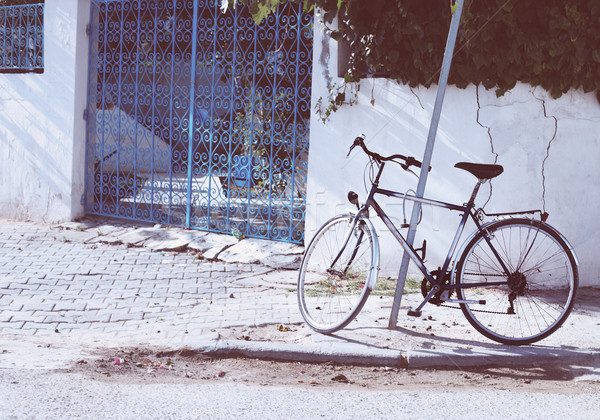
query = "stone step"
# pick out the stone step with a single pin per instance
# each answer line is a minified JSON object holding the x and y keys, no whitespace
{"x":162,"y":190}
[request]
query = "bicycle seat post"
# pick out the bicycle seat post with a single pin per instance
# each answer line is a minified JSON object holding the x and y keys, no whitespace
{"x":471,"y":202}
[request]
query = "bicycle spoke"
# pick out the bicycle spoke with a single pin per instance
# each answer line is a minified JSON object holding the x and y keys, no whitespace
{"x":540,"y":287}
{"x":334,"y":274}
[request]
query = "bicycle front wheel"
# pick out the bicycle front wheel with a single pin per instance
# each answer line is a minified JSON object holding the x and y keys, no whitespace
{"x":338,"y":268}
{"x":535,"y":279}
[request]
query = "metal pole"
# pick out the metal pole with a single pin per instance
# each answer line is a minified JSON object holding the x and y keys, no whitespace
{"x":437,"y":110}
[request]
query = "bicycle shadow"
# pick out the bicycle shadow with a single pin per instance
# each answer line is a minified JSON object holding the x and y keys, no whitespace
{"x":451,"y":353}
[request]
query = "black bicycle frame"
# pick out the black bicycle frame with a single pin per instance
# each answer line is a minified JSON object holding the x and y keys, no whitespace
{"x":467,"y":210}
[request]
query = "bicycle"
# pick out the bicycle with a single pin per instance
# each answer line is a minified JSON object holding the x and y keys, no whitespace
{"x":515,"y":278}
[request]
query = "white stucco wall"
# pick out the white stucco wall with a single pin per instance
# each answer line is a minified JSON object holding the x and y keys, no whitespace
{"x":42,"y":133}
{"x":544,"y":145}
{"x":541,"y":142}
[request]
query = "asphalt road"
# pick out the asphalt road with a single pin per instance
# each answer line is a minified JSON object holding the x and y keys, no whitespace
{"x":41,"y":394}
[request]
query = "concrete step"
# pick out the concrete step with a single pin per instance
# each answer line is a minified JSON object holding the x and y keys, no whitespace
{"x":171,"y":191}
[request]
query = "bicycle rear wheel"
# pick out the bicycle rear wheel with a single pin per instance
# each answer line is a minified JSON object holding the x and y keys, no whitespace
{"x":337,"y":272}
{"x":540,"y":279}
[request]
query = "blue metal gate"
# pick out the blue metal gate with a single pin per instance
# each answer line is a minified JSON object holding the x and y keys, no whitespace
{"x":199,"y":118}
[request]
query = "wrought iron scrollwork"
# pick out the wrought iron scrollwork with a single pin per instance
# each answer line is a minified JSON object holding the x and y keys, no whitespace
{"x":208,"y":114}
{"x":22,"y":38}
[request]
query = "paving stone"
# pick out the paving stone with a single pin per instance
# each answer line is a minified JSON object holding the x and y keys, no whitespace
{"x":115,"y":291}
{"x":136,"y":237}
{"x":211,"y":245}
{"x":256,"y":251}
{"x":77,"y":226}
{"x":75,"y":236}
{"x":169,"y":240}
{"x":287,"y":262}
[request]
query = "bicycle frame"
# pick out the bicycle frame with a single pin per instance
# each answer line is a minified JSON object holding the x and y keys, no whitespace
{"x":467,"y":211}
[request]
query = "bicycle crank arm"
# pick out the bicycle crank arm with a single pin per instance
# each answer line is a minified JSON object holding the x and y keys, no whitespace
{"x":471,"y":302}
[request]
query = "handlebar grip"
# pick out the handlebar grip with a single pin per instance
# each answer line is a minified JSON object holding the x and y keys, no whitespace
{"x":411,"y":161}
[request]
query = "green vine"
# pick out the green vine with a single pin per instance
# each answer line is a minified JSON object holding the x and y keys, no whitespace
{"x":339,"y":94}
{"x":547,"y":43}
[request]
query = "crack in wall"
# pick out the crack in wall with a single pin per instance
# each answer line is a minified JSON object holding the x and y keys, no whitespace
{"x":547,"y":147}
{"x":489,"y":133}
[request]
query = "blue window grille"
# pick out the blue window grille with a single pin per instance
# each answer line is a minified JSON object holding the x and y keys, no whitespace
{"x":199,"y":118}
{"x":22,"y":38}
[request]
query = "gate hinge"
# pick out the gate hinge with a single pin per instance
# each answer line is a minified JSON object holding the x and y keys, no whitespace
{"x":85,"y":114}
{"x":82,"y":202}
{"x":88,"y":29}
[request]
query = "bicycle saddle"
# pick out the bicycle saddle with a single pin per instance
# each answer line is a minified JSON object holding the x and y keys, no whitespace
{"x":480,"y":170}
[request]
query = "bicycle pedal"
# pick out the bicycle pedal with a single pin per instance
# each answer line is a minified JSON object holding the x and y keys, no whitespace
{"x":414,"y":313}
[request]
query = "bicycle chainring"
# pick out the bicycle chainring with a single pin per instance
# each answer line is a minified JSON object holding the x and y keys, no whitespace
{"x":426,"y":288}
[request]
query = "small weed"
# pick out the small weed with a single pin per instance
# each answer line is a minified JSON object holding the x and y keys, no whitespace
{"x":353,"y":285}
{"x":412,"y":285}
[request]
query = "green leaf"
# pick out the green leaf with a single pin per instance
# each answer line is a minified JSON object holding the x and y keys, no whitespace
{"x":260,"y":9}
{"x":480,"y":60}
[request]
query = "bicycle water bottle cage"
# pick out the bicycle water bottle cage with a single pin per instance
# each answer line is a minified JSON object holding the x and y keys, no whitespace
{"x":422,"y":250}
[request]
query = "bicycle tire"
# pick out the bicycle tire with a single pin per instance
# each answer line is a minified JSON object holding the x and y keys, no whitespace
{"x":329,"y":297}
{"x":540,"y":290}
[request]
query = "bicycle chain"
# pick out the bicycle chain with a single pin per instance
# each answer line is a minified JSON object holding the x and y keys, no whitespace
{"x":474,"y":310}
{"x":479,"y":310}
{"x":486,"y":275}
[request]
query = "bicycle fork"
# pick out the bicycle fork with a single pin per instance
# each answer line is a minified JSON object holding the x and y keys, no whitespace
{"x":351,"y":231}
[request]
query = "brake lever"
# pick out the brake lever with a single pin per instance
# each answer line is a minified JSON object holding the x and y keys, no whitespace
{"x":357,"y":142}
{"x":351,"y":148}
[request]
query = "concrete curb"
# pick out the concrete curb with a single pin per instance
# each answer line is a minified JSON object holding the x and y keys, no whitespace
{"x":418,"y":359}
{"x":313,"y":353}
{"x":510,"y":357}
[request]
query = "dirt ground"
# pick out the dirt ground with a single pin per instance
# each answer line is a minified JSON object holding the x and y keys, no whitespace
{"x":156,"y":366}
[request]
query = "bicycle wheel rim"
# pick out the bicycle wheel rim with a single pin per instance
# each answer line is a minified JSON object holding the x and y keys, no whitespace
{"x":328,"y":302}
{"x":539,"y":292}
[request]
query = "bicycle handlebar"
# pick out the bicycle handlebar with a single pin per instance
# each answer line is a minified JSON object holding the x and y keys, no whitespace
{"x":408,"y":160}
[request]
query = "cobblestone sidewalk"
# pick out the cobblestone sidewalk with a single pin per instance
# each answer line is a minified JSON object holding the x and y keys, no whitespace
{"x":98,"y":281}
{"x":105,"y":283}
